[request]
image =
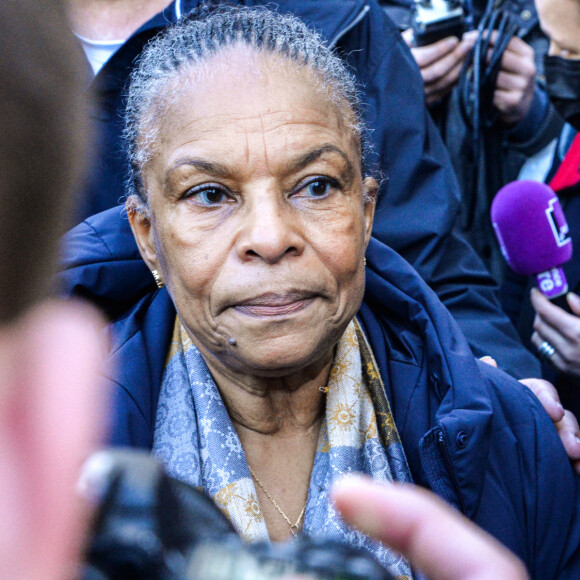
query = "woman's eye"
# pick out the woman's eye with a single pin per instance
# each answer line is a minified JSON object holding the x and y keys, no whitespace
{"x":208,"y":196}
{"x":319,"y":187}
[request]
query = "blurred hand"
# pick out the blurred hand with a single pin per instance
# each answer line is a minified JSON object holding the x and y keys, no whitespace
{"x":515,"y":85}
{"x":560,"y":329}
{"x":440,"y":63}
{"x":433,"y":536}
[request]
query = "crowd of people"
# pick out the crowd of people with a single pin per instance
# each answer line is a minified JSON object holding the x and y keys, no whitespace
{"x":281,"y":217}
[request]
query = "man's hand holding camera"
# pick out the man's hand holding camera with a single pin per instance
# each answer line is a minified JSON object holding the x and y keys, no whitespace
{"x":440,"y":65}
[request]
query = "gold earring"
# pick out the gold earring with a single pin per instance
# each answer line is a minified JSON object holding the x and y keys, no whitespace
{"x":158,"y":279}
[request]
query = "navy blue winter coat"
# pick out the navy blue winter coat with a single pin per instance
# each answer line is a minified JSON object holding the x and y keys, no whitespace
{"x":418,"y":204}
{"x":471,"y":433}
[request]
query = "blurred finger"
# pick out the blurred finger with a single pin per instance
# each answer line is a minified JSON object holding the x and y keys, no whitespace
{"x":446,"y":69}
{"x":556,"y":359}
{"x":449,"y":79}
{"x":511,"y":82}
{"x":443,"y":86}
{"x":517,"y":64}
{"x":574,"y":302}
{"x":408,"y":37}
{"x":546,"y":332}
{"x":492,"y":39}
{"x":470,"y":37}
{"x":505,"y":101}
{"x":418,"y":524}
{"x":566,"y":342}
{"x":519,"y":47}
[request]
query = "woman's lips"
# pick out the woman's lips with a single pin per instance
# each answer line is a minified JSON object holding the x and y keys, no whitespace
{"x":275,"y":304}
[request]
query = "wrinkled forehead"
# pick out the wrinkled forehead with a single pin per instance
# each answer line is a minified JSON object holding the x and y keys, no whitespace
{"x":247,"y":88}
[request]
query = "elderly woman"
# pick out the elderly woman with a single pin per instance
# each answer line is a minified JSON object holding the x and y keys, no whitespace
{"x":263,"y":370}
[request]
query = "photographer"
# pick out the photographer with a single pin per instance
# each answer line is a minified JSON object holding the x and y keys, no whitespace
{"x":555,"y":328}
{"x":515,"y":120}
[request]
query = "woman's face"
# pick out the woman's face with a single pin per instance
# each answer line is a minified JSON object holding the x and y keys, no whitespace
{"x":257,"y":222}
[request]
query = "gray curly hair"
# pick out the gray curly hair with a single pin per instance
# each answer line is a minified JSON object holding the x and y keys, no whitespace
{"x":192,"y":41}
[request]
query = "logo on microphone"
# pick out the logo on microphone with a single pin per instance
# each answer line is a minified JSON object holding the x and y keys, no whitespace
{"x":558,"y":223}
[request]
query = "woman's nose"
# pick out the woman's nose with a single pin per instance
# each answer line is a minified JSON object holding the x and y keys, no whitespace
{"x":270,"y":231}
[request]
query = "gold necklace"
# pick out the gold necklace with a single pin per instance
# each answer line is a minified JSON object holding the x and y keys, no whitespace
{"x":294,"y":528}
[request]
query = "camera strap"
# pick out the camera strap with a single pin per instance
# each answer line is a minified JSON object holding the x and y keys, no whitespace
{"x":477,"y":86}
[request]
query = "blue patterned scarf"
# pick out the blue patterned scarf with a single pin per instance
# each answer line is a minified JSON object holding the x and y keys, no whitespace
{"x":196,"y":440}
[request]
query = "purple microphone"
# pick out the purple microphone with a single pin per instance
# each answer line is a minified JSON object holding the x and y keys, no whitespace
{"x":533,"y":233}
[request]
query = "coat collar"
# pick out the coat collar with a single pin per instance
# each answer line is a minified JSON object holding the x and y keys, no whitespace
{"x":446,"y":414}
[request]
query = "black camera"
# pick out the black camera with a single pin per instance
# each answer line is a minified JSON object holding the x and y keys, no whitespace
{"x":148,"y":526}
{"x":433,"y":20}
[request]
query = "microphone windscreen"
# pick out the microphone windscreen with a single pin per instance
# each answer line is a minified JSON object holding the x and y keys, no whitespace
{"x":531,"y":227}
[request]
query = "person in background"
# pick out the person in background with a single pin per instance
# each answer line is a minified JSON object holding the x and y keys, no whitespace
{"x":51,"y":400}
{"x":418,"y":202}
{"x":553,"y":330}
{"x":517,"y":120}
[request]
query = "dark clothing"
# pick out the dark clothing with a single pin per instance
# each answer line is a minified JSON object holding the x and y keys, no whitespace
{"x":504,"y":149}
{"x":418,"y":203}
{"x":471,"y":433}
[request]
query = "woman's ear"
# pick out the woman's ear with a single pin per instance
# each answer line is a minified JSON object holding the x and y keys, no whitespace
{"x":140,"y":220}
{"x":370,"y":191}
